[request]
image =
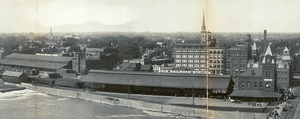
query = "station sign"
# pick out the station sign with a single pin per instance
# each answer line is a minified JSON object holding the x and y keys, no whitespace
{"x":268,"y":79}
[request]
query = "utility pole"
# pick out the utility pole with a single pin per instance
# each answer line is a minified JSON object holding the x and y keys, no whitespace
{"x":193,"y":95}
{"x":278,"y":92}
{"x":128,"y":88}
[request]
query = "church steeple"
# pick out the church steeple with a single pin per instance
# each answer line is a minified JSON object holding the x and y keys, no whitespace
{"x":203,"y":23}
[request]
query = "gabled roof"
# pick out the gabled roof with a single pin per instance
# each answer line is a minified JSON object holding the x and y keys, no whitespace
{"x":286,"y":56}
{"x":145,"y":67}
{"x":124,"y":65}
{"x":254,"y":46}
{"x":12,"y":73}
{"x":268,"y":51}
{"x":286,"y":49}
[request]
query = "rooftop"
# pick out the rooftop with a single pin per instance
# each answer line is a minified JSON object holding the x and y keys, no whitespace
{"x":33,"y":64}
{"x":257,"y":72}
{"x":38,"y":57}
{"x":254,"y":94}
{"x":152,"y":80}
{"x":12,"y":73}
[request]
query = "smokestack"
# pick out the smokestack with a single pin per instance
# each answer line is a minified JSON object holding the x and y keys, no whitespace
{"x":265,"y":34}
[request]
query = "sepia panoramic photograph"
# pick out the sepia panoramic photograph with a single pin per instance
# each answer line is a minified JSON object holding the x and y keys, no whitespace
{"x":149,"y":59}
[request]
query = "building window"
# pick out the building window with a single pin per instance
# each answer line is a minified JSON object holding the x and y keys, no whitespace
{"x":268,"y":85}
{"x":215,"y":52}
{"x":260,"y":84}
{"x":190,"y":56}
{"x":255,"y":84}
{"x":190,"y":65}
{"x":248,"y":84}
{"x":268,"y":75}
{"x":202,"y":65}
{"x":178,"y":60}
{"x":178,"y":50}
{"x":178,"y":56}
{"x":202,"y":56}
{"x":210,"y":61}
{"x":218,"y":52}
{"x":183,"y":56}
{"x":196,"y":61}
{"x":183,"y":60}
{"x":210,"y":52}
{"x":202,"y":61}
{"x":196,"y":56}
{"x":243,"y":84}
{"x":190,"y":61}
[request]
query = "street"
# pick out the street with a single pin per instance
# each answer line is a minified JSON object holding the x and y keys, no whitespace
{"x":293,"y":113}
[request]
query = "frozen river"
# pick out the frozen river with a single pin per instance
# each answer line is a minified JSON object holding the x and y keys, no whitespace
{"x":28,"y":104}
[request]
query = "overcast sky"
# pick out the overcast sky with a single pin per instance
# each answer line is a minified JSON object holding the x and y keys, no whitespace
{"x":151,"y":15}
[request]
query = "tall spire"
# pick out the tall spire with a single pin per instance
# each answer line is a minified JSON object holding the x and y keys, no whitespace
{"x":203,"y":23}
{"x":254,"y":46}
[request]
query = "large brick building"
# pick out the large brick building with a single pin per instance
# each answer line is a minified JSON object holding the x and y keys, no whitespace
{"x":236,"y":58}
{"x":284,"y":69}
{"x":259,"y":81}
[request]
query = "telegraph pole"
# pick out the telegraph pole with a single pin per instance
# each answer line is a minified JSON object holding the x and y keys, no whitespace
{"x":193,"y":95}
{"x":128,"y":88}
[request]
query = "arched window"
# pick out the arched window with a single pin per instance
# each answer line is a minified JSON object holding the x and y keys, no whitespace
{"x":243,"y":84}
{"x":248,"y":84}
{"x":218,"y":52}
{"x":215,"y":52}
{"x":260,"y":84}
{"x":210,"y":52}
{"x":255,"y":84}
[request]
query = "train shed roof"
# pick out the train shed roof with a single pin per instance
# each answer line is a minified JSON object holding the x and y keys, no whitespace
{"x":169,"y":81}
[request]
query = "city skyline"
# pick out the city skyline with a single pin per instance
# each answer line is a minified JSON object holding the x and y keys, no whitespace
{"x":148,"y":16}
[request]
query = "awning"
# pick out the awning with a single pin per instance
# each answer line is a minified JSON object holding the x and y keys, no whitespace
{"x":254,"y":94}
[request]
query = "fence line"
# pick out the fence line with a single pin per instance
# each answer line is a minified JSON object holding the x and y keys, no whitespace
{"x":187,"y":111}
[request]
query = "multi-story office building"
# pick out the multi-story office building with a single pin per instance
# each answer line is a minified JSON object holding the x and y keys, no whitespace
{"x":192,"y":56}
{"x":216,"y":62}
